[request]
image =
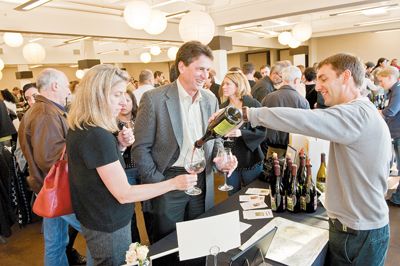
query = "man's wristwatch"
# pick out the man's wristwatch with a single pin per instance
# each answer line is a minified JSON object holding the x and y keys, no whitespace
{"x":245,"y":110}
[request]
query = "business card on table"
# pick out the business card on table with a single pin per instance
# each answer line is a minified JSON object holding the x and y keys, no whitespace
{"x":253,"y":205}
{"x":251,"y":198}
{"x":258,"y":191}
{"x":257,"y":214}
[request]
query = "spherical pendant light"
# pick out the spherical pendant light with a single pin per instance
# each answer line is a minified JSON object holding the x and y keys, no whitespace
{"x":1,"y":64}
{"x":137,"y":14}
{"x":145,"y":57}
{"x":157,"y":24}
{"x":294,"y":43}
{"x":172,"y":52}
{"x":284,"y":37}
{"x":155,"y":50}
{"x":79,"y":73}
{"x":13,"y":39}
{"x":197,"y":26}
{"x":302,"y":32}
{"x":34,"y":53}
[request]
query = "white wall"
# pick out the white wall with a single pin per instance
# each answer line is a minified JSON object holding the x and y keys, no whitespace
{"x":368,"y":46}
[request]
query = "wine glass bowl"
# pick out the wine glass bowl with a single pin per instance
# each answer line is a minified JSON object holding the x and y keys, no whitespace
{"x":224,"y":162}
{"x":195,"y":163}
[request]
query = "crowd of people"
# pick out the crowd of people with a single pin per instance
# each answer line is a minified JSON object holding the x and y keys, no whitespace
{"x":127,"y":143}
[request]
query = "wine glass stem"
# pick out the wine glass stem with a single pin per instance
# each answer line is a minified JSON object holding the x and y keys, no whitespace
{"x":225,"y":177}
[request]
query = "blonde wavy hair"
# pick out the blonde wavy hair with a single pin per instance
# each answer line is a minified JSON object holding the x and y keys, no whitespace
{"x":91,"y":106}
{"x":241,"y":82}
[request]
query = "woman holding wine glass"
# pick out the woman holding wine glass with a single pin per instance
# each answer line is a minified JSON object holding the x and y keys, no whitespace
{"x":246,"y":140}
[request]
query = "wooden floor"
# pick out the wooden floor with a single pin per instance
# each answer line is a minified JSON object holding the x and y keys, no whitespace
{"x":25,"y":246}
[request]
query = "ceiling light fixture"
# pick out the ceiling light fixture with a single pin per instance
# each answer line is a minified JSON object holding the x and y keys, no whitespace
{"x":177,"y":14}
{"x":377,"y":22}
{"x":78,"y":39}
{"x":362,"y":10}
{"x":109,"y":51}
{"x":239,"y":28}
{"x":29,"y":5}
{"x":73,"y":66}
{"x":35,"y":66}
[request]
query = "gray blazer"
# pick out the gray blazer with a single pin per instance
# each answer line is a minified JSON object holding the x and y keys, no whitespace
{"x":159,"y":135}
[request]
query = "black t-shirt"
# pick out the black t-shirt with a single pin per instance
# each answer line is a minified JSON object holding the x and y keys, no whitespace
{"x":94,"y":205}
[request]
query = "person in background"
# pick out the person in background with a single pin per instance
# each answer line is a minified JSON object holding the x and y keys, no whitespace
{"x":235,"y":68}
{"x":388,"y":79}
{"x":288,"y":95}
{"x":173,"y":73}
{"x":265,"y":70}
{"x":257,"y":76}
{"x":248,"y":70}
{"x":356,"y":206}
{"x":212,"y":85}
{"x":146,"y":83}
{"x":394,"y":63}
{"x":11,"y":104}
{"x":30,"y":92}
{"x":170,"y":119}
{"x":309,"y":81}
{"x":7,"y":129}
{"x":126,"y":118}
{"x":267,"y":84}
{"x":100,"y":193}
{"x":158,"y":79}
{"x":42,"y":137}
{"x":17,"y":93}
{"x":382,"y":63}
{"x":302,"y":68}
{"x":369,"y":66}
{"x":246,"y":139}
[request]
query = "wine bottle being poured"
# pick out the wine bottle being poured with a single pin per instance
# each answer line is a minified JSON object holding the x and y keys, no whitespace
{"x":227,"y":120}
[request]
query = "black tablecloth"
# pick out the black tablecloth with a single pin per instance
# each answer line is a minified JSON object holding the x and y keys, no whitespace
{"x":318,"y":219}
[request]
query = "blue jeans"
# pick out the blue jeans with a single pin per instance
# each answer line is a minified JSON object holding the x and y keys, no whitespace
{"x":367,"y":247}
{"x":56,"y":239}
{"x":396,"y":195}
{"x":243,"y":176}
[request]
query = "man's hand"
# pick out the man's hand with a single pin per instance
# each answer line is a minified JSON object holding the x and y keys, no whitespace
{"x":184,"y":182}
{"x":125,"y":138}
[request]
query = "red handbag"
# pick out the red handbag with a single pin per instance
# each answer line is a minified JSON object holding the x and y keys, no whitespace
{"x":54,"y":199}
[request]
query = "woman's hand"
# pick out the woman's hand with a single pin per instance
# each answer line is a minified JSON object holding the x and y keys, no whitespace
{"x":184,"y":182}
{"x":125,"y":138}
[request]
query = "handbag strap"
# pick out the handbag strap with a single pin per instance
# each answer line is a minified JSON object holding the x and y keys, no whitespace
{"x":63,"y":152}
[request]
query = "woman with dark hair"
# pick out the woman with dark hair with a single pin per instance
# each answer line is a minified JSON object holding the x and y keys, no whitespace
{"x":382,"y":63}
{"x":126,"y":118}
{"x":11,"y":103}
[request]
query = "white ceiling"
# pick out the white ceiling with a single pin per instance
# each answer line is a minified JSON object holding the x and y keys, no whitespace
{"x":61,"y":20}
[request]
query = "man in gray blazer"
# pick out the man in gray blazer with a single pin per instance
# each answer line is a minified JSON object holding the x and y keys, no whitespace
{"x":169,"y":120}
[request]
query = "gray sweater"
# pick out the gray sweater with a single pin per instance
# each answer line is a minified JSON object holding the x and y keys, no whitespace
{"x":359,"y":156}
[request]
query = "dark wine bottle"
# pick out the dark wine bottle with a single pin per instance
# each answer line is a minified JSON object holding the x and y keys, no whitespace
{"x":321,"y":175}
{"x":287,"y":176}
{"x":221,"y":125}
{"x":301,"y":171}
{"x":293,"y":199}
{"x":311,"y":192}
{"x":278,"y":200}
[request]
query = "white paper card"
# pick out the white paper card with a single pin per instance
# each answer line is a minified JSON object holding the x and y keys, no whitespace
{"x":258,"y":191}
{"x":257,"y":214}
{"x":197,"y":237}
{"x":251,"y":198}
{"x":294,"y":243}
{"x":244,"y":227}
{"x":253,"y":205}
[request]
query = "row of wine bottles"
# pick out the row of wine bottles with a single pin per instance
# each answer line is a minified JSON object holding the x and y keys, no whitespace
{"x":292,"y":186}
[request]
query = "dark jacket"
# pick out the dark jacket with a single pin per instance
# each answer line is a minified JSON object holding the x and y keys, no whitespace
{"x":263,"y":87}
{"x":42,"y":135}
{"x":215,"y":89}
{"x":6,"y":126}
{"x":286,"y":96}
{"x":247,"y":147}
{"x":391,"y":112}
{"x":311,"y":95}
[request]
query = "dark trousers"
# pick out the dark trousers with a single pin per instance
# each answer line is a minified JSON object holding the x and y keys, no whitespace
{"x":176,"y":206}
{"x":133,"y":179}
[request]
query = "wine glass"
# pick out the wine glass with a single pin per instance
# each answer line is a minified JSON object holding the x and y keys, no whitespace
{"x":224,"y":162}
{"x":195,"y":162}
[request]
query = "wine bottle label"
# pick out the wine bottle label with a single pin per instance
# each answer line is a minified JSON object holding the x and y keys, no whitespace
{"x":303,"y":204}
{"x":290,"y":204}
{"x":273,"y":204}
{"x":308,"y":198}
{"x":223,"y":127}
{"x":321,"y":186}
